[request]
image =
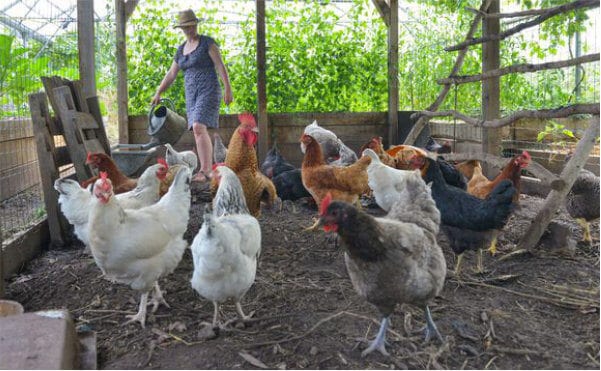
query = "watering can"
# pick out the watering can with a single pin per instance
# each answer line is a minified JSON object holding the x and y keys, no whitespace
{"x":164,"y":124}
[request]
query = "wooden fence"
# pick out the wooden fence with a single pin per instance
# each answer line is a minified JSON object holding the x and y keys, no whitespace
{"x":19,"y":163}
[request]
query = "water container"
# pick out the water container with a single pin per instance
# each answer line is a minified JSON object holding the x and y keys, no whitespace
{"x":164,"y":124}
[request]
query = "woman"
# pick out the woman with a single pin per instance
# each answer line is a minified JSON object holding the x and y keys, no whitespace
{"x":198,"y":58}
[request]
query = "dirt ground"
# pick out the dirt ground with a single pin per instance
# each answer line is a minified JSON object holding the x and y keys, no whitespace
{"x":537,"y":311}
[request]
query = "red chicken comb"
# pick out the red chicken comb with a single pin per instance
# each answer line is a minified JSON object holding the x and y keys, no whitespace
{"x":161,"y":161}
{"x":89,"y":158}
{"x":247,"y":118}
{"x":217,"y":164}
{"x":104,"y":175}
{"x":526,"y":155}
{"x":324,"y":204}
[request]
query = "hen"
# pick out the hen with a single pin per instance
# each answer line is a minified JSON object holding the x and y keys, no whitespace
{"x":375,"y":144}
{"x":75,"y":201}
{"x":242,"y":159}
{"x":433,"y":146}
{"x":347,"y":156}
{"x":394,"y":259}
{"x":582,"y":202}
{"x":344,"y":183}
{"x":187,"y":158}
{"x":226,"y":249}
{"x":137,"y":247}
{"x":219,"y":149}
{"x":467,"y":168}
{"x":326,"y":138}
{"x":289,"y":185}
{"x":467,"y":221}
{"x":103,"y":162}
{"x":275,"y":163}
{"x":480,"y":186}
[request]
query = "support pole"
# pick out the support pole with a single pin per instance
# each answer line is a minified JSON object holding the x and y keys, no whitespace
{"x":261,"y":81}
{"x":393,"y":73}
{"x":85,"y":43}
{"x":122,"y":99}
{"x":491,"y":138}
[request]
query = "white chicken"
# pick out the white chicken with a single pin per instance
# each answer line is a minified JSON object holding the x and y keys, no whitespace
{"x":386,"y":182}
{"x":226,"y":249}
{"x":187,"y":158}
{"x":137,"y":247}
{"x":75,"y":201}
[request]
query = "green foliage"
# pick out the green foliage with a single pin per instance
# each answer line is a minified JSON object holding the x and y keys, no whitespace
{"x":556,"y":133}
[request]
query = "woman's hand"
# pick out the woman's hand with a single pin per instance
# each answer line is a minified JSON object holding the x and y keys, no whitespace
{"x":228,"y":97}
{"x":156,"y":99}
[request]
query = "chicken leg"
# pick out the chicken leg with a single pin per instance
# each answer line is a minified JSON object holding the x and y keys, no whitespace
{"x":141,"y":315}
{"x":493,"y":244}
{"x":243,"y":316}
{"x":458,"y":264}
{"x":379,"y":343}
{"x":157,"y":298}
{"x":430,"y":326}
{"x":586,"y":234}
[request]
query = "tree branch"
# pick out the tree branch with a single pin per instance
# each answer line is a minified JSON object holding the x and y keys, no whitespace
{"x":523,"y":13}
{"x":587,"y":108}
{"x":556,"y":197}
{"x":580,"y":4}
{"x":384,"y":10}
{"x":519,"y":68}
{"x":421,"y":123}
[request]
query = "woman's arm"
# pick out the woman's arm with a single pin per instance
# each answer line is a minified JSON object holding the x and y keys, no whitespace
{"x":166,"y":83}
{"x":218,"y":61}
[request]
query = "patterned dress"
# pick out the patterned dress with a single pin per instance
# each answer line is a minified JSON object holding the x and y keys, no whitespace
{"x":203,"y":92}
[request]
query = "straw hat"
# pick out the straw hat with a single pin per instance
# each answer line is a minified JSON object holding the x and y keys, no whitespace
{"x":186,"y":18}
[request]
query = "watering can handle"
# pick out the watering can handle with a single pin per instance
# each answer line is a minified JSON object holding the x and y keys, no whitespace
{"x":152,"y":106}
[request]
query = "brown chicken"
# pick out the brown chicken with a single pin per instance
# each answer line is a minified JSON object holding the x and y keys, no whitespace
{"x":481,"y":187}
{"x":375,"y":144}
{"x":104,"y":162}
{"x":344,"y":183}
{"x":242,"y":159}
{"x":467,"y":168}
{"x":403,"y":154}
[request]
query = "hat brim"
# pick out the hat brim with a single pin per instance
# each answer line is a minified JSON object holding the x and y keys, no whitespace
{"x":186,"y":24}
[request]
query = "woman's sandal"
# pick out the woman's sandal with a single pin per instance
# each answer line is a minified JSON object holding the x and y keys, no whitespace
{"x":206,"y":179}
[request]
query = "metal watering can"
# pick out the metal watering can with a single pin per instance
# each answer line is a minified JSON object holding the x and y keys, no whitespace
{"x":164,"y":124}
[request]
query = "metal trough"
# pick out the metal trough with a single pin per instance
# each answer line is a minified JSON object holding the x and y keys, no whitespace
{"x":133,"y":159}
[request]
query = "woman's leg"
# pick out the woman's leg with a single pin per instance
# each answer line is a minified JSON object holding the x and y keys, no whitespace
{"x":204,"y":148}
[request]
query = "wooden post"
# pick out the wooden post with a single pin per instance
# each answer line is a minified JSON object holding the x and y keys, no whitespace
{"x":85,"y":43}
{"x":122,"y":113}
{"x":556,"y":197}
{"x":393,"y":73}
{"x":261,"y":82}
{"x":491,"y":138}
{"x":1,"y":266}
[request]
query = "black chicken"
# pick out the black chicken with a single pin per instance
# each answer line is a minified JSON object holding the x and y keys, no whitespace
{"x":468,"y":222}
{"x":289,"y":185}
{"x":275,"y":163}
{"x":582,"y":202}
{"x":434,"y":146}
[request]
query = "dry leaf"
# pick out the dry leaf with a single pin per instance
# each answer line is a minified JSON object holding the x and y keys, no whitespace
{"x":252,"y":360}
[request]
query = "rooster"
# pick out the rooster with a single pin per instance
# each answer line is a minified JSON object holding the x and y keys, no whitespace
{"x":467,"y":220}
{"x":137,"y":247}
{"x":76,"y":201}
{"x":226,"y":249}
{"x":219,"y":149}
{"x":275,"y":163}
{"x":394,"y":259}
{"x":187,"y":158}
{"x":344,"y":183}
{"x":104,"y":162}
{"x":242,"y":159}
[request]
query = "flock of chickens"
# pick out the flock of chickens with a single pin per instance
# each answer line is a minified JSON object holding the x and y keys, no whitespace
{"x":134,"y":227}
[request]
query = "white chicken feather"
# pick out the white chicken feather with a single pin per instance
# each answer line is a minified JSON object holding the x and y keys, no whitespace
{"x":187,"y":158}
{"x":226,"y":249}
{"x":137,"y":247}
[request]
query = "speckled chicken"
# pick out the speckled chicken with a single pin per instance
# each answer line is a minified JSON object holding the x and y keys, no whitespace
{"x":394,"y":259}
{"x":582,"y":202}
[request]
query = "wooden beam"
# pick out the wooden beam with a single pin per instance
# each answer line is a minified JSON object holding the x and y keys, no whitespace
{"x":519,"y":68}
{"x":580,"y":4}
{"x":384,"y":10}
{"x":586,"y":108}
{"x":393,"y":73}
{"x":85,"y":43}
{"x":422,"y":121}
{"x":130,"y":6}
{"x":1,"y":266}
{"x":261,"y":82}
{"x":491,"y":91}
{"x":121,"y":56}
{"x":524,"y":13}
{"x":556,"y":197}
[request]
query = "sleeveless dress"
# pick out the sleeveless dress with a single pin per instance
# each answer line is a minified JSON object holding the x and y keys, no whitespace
{"x":203,"y":92}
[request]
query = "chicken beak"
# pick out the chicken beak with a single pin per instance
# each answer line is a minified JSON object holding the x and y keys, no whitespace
{"x":255,"y":129}
{"x":315,"y":226}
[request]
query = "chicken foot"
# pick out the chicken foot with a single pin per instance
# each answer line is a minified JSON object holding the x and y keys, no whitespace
{"x":379,"y":343}
{"x":243,"y":316}
{"x":157,"y":298}
{"x":141,"y":315}
{"x":586,"y":234}
{"x":458,"y":264}
{"x":493,"y":244}
{"x":430,"y":326}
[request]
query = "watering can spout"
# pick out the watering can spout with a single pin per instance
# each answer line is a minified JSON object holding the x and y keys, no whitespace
{"x":164,"y":124}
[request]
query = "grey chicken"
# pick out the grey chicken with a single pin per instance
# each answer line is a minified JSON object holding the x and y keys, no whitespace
{"x":330,"y":146}
{"x":582,"y":202}
{"x":219,"y":149}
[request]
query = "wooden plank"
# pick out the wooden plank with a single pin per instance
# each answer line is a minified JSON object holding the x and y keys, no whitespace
{"x":17,"y":152}
{"x":85,"y":121}
{"x":85,"y":43}
{"x":18,"y":252}
{"x":262,"y":119}
{"x":393,"y":73}
{"x":67,"y":114}
{"x":49,"y":173}
{"x":94,"y":107}
{"x":384,"y":10}
{"x":1,"y":266}
{"x":121,"y":55}
{"x":491,"y":91}
{"x":92,"y":145}
{"x":81,"y":103}
{"x":557,"y":196}
{"x":15,"y":128}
